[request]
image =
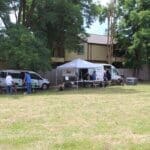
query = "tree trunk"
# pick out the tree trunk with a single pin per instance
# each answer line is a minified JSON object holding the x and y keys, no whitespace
{"x":108,"y":37}
{"x":19,"y":14}
{"x":24,"y":11}
{"x":30,"y":13}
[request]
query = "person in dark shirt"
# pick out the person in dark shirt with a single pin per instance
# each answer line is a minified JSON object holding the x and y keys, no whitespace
{"x":108,"y":75}
{"x":94,"y":75}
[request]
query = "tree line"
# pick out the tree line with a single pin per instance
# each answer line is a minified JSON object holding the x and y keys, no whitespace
{"x":43,"y":28}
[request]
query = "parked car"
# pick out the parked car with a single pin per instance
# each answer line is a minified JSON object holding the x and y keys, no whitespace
{"x":18,"y":75}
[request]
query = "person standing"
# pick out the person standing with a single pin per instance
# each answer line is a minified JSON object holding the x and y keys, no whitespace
{"x":9,"y":84}
{"x":105,"y":76}
{"x":108,"y":75}
{"x":94,"y":75}
{"x":27,"y":81}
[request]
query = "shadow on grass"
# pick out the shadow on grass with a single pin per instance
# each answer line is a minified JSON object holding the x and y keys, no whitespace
{"x":88,"y":91}
{"x":112,"y":90}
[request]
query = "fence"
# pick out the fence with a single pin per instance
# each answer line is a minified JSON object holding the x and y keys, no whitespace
{"x":144,"y":73}
{"x":55,"y":77}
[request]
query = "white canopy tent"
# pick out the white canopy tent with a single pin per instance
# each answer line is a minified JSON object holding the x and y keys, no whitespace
{"x":76,"y":65}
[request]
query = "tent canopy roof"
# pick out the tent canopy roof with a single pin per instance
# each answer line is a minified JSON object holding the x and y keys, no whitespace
{"x":78,"y":64}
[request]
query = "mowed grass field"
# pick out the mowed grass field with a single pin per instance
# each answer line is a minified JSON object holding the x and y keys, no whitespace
{"x":112,"y":118}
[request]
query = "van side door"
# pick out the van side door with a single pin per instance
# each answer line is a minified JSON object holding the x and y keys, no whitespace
{"x":35,"y":80}
{"x":17,"y":79}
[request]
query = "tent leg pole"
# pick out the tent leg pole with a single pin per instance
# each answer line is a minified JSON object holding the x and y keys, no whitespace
{"x":56,"y":78}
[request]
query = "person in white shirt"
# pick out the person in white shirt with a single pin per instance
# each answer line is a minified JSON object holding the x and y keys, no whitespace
{"x":9,"y":84}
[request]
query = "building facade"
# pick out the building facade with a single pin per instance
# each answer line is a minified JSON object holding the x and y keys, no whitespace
{"x":94,"y":49}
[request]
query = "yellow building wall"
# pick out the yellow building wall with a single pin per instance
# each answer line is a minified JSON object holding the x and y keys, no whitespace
{"x":73,"y":55}
{"x":91,"y":52}
{"x":98,"y":52}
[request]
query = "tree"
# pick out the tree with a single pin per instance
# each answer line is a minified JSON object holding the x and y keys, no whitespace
{"x":19,"y":46}
{"x":62,"y":22}
{"x":4,"y":12}
{"x":134,"y":31}
{"x":109,"y":12}
{"x":20,"y":49}
{"x":58,"y":22}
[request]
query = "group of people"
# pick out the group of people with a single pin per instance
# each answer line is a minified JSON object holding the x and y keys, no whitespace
{"x":11,"y":85}
{"x":107,"y":75}
{"x":87,"y":76}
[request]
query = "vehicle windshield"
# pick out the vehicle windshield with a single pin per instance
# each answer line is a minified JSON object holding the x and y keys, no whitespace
{"x":115,"y":72}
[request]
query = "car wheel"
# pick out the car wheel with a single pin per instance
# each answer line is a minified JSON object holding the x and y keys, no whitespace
{"x":44,"y":86}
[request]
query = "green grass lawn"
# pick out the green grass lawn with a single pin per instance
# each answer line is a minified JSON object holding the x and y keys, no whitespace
{"x":112,"y":118}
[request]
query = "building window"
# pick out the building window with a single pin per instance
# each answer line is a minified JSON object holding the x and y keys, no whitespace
{"x":80,"y":49}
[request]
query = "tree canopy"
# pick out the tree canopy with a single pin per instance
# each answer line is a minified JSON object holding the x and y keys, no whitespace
{"x":20,"y":49}
{"x":61,"y":21}
{"x":56,"y":25}
{"x":131,"y":29}
{"x":133,"y":32}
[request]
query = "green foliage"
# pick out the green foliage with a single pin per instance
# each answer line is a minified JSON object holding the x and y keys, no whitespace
{"x":4,"y":12}
{"x":133,"y":31}
{"x":22,"y":50}
{"x":103,"y":13}
{"x":59,"y":23}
